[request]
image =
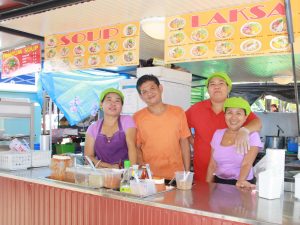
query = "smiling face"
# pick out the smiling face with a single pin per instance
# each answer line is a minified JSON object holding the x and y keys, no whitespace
{"x":112,"y":104}
{"x":235,"y":118}
{"x":151,"y":93}
{"x":217,"y":89}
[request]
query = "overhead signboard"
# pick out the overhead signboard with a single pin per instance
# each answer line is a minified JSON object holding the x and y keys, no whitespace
{"x":243,"y":31}
{"x":21,"y":61}
{"x":95,"y":48}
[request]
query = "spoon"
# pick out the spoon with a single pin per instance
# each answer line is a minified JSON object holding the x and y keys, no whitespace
{"x":90,"y":162}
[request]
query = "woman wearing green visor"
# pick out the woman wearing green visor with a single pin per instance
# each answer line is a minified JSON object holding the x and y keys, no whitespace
{"x":226,"y":165}
{"x":111,"y":140}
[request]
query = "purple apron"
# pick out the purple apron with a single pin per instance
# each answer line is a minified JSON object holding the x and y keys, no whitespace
{"x":111,"y":150}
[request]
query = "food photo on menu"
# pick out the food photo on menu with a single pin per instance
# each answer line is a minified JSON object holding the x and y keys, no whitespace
{"x":224,"y":31}
{"x":111,"y":46}
{"x":128,"y":56}
{"x":78,"y":61}
{"x":280,"y":43}
{"x":278,"y":25}
{"x":130,"y":30}
{"x":129,"y":43}
{"x":51,"y":53}
{"x":79,"y":50}
{"x":51,"y":42}
{"x":93,"y":60}
{"x":176,"y":38}
{"x":224,"y":47}
{"x":250,"y":45}
{"x":111,"y":59}
{"x":94,"y":48}
{"x":64,"y":52}
{"x":176,"y":52}
{"x":11,"y":65}
{"x":199,"y":35}
{"x":251,"y":29}
{"x":199,"y":50}
{"x":177,"y":24}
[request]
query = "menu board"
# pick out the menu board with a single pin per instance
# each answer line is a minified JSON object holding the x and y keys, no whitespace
{"x":96,"y":48}
{"x":21,"y":61}
{"x":244,"y":31}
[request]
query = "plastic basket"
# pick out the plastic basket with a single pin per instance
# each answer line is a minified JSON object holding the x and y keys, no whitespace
{"x":14,"y":161}
{"x":64,"y":148}
{"x":40,"y":158}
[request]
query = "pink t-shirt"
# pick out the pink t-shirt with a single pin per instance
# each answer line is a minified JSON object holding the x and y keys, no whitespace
{"x":126,"y":121}
{"x":228,"y":161}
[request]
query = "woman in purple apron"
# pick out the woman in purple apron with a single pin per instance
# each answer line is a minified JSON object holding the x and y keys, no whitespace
{"x":111,"y":140}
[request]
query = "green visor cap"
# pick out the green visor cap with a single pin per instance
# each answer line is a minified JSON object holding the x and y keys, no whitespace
{"x":111,"y":90}
{"x":221,"y":75}
{"x":237,"y":102}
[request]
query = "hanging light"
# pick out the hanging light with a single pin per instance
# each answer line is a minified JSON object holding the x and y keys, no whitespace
{"x":154,"y":27}
{"x":282,"y":79}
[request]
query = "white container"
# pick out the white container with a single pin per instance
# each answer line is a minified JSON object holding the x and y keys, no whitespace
{"x":297,"y":186}
{"x":143,"y":187}
{"x":14,"y":160}
{"x":270,"y":184}
{"x":40,"y":158}
{"x":184,"y":180}
{"x":96,"y":178}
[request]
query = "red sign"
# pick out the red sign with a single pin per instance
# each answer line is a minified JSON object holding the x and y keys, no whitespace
{"x":21,"y":61}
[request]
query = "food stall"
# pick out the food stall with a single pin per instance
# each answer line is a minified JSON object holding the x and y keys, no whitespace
{"x":29,"y":197}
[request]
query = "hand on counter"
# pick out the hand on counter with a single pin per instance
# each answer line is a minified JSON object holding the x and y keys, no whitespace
{"x":244,"y":184}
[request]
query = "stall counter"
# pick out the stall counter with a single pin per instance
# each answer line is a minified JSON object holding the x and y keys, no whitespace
{"x":28,"y":198}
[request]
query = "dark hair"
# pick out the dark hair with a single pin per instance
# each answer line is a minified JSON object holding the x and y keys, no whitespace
{"x":241,"y":108}
{"x":145,"y":78}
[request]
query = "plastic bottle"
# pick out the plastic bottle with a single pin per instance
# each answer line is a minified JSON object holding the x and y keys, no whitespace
{"x":125,"y":182}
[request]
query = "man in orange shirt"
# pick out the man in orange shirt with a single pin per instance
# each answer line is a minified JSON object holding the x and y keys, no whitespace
{"x":208,"y":116}
{"x":162,"y":131}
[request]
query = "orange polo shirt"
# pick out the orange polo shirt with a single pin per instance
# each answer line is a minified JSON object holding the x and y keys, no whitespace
{"x":205,"y":121}
{"x":159,"y":137}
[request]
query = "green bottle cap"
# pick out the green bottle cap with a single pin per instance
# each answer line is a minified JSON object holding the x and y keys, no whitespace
{"x":126,"y":164}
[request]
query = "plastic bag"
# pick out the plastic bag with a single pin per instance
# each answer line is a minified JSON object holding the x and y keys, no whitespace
{"x":18,"y":146}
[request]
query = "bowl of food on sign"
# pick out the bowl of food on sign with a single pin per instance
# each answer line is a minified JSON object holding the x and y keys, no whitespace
{"x":94,"y":48}
{"x":280,"y":43}
{"x":128,"y":57}
{"x":79,"y":61}
{"x":64,"y":51}
{"x":278,"y":25}
{"x":224,"y":48}
{"x":199,"y":34}
{"x":199,"y":50}
{"x":51,"y":42}
{"x":79,"y":50}
{"x":11,"y":64}
{"x":51,"y":53}
{"x":176,"y":38}
{"x":129,"y":43}
{"x":177,"y":23}
{"x":176,"y":52}
{"x":111,"y":59}
{"x":129,"y":30}
{"x":251,"y":29}
{"x":111,"y":46}
{"x":224,"y":31}
{"x":250,"y":45}
{"x":94,"y":60}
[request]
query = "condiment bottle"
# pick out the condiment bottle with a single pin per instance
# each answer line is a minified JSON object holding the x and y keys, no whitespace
{"x":125,"y":182}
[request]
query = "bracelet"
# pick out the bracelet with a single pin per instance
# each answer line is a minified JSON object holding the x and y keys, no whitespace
{"x":245,"y":129}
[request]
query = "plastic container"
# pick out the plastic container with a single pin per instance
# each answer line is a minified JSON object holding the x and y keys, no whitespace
{"x":40,"y":158}
{"x":58,"y":166}
{"x":64,"y":148}
{"x":112,"y":178}
{"x":159,"y":184}
{"x":143,"y":187}
{"x":82,"y":177}
{"x":10,"y":160}
{"x":96,"y":178}
{"x":297,"y":186}
{"x":184,"y":180}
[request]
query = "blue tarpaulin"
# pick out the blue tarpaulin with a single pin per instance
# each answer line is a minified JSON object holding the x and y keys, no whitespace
{"x":76,"y":93}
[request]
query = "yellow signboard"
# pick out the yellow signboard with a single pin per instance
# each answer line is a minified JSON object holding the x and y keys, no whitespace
{"x":243,"y":31}
{"x":96,"y":48}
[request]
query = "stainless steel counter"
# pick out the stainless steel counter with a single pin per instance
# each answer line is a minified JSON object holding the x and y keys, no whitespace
{"x":211,"y":200}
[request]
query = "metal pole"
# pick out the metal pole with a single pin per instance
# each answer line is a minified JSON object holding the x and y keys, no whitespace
{"x":289,"y":19}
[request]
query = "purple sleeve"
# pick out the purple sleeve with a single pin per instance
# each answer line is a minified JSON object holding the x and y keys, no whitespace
{"x":255,"y":140}
{"x":127,"y":122}
{"x":93,"y":129}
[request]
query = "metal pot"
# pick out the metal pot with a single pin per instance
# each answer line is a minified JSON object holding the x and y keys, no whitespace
{"x":277,"y":142}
